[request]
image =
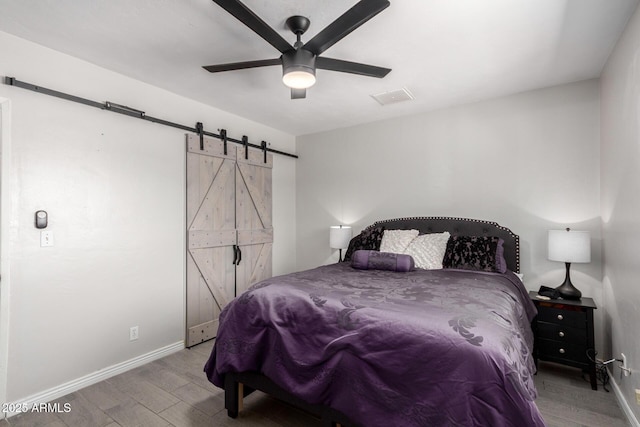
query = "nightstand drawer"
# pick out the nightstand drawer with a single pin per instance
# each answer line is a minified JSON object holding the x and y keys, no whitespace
{"x":562,"y":333}
{"x":576,"y":319}
{"x":548,"y":349}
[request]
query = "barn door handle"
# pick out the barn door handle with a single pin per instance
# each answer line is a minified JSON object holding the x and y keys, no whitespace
{"x":235,"y":254}
{"x":239,"y":255}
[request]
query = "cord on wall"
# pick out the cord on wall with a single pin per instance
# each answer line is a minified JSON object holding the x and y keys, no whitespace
{"x":602,"y":374}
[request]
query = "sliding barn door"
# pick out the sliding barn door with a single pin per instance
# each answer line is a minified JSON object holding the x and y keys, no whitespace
{"x":211,"y":235}
{"x":253,"y":217}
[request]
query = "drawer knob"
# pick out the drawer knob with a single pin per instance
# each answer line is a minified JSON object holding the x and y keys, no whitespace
{"x":561,"y":334}
{"x":561,"y":351}
{"x":560,"y":317}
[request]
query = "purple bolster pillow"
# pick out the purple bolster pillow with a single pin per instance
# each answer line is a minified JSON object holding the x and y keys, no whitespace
{"x":375,"y":260}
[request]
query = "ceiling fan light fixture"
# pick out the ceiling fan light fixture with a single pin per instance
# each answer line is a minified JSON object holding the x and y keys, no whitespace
{"x":299,"y":79}
{"x":299,"y":69}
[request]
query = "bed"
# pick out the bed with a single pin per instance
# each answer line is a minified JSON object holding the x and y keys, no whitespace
{"x":373,"y":347}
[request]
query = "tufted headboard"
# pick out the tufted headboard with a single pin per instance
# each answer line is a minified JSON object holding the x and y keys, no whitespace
{"x":460,"y":227}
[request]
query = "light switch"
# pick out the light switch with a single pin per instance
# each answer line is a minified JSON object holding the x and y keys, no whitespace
{"x":46,"y":238}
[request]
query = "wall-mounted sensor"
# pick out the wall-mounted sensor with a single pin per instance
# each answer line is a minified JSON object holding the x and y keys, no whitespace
{"x":41,"y":219}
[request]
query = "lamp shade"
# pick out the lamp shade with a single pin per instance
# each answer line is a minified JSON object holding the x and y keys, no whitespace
{"x":339,"y":236}
{"x":569,"y":246}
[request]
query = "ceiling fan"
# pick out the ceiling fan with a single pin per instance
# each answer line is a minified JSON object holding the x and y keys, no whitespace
{"x":300,"y":61}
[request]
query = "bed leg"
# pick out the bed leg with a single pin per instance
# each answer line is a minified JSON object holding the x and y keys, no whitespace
{"x":233,"y":395}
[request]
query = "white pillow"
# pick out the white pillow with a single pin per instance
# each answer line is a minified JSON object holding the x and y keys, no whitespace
{"x":396,"y":241}
{"x":428,"y":250}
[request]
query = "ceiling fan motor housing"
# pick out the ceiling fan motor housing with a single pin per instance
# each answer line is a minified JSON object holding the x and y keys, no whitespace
{"x":298,"y":64}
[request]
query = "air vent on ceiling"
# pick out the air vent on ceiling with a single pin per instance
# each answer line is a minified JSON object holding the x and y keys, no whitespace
{"x":393,"y":96}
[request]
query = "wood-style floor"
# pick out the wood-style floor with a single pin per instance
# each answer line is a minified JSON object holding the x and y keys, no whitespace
{"x":174,"y":391}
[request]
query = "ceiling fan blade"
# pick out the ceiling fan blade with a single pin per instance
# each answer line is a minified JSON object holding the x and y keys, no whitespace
{"x":298,"y":93}
{"x":345,"y":24}
{"x":253,"y":21}
{"x":242,"y":65}
{"x":351,"y":67}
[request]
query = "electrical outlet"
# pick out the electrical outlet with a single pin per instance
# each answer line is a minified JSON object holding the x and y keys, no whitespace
{"x":638,"y":396}
{"x":133,"y":333}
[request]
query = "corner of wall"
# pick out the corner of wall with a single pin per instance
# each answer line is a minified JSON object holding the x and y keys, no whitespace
{"x":5,"y":215}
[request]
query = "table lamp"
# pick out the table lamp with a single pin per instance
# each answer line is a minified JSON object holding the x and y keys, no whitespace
{"x":569,"y":246}
{"x":339,"y":238}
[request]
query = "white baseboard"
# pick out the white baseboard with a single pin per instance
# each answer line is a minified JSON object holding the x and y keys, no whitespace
{"x":624,"y":405}
{"x":93,"y":378}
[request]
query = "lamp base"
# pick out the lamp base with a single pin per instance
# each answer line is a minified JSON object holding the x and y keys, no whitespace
{"x":566,"y":289}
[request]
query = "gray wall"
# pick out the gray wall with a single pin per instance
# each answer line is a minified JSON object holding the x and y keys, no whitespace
{"x":528,"y":161}
{"x":620,"y":175}
{"x":115,"y":192}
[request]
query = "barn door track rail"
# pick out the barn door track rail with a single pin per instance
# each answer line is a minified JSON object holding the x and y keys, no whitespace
{"x":132,"y":112}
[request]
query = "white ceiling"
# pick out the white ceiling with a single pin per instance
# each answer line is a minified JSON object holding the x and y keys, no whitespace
{"x":446,"y":52}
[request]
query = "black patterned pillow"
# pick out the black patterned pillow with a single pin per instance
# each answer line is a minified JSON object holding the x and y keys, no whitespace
{"x":369,"y":240}
{"x":471,"y":253}
{"x":501,"y":262}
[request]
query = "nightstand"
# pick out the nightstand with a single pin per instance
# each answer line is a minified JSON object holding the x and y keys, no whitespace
{"x":563,"y":331}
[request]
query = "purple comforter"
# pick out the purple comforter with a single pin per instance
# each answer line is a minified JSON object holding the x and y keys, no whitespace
{"x":423,"y":348}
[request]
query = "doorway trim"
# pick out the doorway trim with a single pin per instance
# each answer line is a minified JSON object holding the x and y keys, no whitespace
{"x":5,"y":241}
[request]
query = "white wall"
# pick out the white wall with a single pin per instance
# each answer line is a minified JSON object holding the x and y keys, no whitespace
{"x":528,"y":161}
{"x":620,"y":175}
{"x":114,"y":190}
